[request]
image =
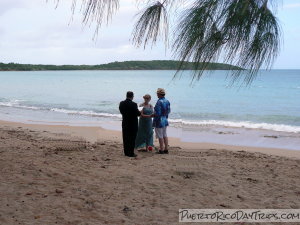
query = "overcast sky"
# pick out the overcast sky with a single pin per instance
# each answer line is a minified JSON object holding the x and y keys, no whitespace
{"x":33,"y":31}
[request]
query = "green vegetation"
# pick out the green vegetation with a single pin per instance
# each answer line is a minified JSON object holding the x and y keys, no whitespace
{"x":244,"y":33}
{"x":127,"y":65}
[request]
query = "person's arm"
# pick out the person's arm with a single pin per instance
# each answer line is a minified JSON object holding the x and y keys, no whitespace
{"x":121,"y":108}
{"x":157,"y":109}
{"x":169,"y":109}
{"x":143,"y":115}
{"x":153,"y":114}
{"x":138,"y":113}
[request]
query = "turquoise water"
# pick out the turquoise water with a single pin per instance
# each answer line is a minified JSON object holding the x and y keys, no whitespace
{"x":271,"y":102}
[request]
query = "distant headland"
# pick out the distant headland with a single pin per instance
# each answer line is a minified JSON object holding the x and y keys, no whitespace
{"x":126,"y":65}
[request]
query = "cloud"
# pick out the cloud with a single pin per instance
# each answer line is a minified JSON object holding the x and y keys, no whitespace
{"x":291,"y":6}
{"x":33,"y":31}
{"x":8,"y":5}
{"x":39,"y":33}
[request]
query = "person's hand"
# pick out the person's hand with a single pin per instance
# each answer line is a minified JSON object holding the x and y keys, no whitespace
{"x":143,"y":115}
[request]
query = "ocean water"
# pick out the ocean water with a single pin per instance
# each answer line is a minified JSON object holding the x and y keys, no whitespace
{"x":270,"y":104}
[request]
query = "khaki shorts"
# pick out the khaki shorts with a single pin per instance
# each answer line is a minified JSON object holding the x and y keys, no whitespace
{"x":161,"y":132}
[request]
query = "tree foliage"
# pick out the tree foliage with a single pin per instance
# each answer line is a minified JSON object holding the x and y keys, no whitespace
{"x":245,"y":33}
{"x":127,"y":65}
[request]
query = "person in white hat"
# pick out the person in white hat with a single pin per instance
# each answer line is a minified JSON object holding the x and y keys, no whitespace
{"x":160,"y":122}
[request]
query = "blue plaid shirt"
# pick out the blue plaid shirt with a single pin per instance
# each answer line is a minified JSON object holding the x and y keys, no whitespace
{"x":162,"y":110}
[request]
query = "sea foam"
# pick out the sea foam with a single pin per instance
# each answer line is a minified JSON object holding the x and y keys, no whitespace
{"x":173,"y":121}
{"x":244,"y":124}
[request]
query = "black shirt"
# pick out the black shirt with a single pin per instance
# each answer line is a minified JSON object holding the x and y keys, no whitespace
{"x":130,"y":112}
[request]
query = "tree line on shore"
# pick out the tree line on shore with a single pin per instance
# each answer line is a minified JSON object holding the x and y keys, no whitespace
{"x":126,"y":65}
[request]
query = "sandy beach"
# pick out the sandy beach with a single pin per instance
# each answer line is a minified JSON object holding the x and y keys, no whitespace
{"x":222,"y":76}
{"x":78,"y":175}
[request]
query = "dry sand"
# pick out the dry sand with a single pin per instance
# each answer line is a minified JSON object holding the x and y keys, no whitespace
{"x":72,"y":175}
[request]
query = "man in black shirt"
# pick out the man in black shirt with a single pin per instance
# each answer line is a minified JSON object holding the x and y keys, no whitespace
{"x":130,"y":113}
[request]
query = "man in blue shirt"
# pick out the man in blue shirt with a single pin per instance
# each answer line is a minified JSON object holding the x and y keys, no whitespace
{"x":160,"y":122}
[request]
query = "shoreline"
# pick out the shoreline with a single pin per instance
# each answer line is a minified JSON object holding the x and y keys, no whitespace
{"x":217,"y":134}
{"x":92,"y":134}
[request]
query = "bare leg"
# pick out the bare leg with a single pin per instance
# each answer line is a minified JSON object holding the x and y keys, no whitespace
{"x":166,"y":141}
{"x":161,"y":144}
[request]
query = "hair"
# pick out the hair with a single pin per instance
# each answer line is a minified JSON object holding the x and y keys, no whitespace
{"x":147,"y":96}
{"x":161,"y":91}
{"x":163,"y":95}
{"x":129,"y":94}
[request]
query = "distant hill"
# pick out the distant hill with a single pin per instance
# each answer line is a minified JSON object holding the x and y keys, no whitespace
{"x":127,"y":65}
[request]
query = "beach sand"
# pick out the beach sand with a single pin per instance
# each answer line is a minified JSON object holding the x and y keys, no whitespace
{"x":78,"y":175}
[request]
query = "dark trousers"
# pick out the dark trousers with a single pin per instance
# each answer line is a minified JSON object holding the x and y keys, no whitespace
{"x":129,"y":141}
